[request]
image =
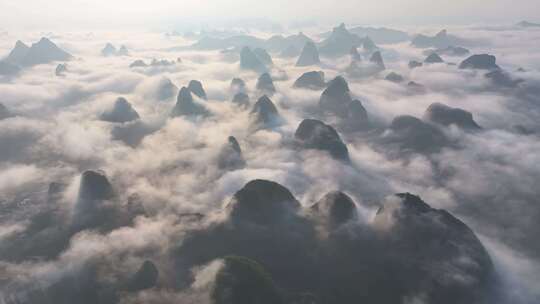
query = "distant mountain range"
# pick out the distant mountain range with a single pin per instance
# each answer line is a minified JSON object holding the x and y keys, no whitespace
{"x":43,"y":51}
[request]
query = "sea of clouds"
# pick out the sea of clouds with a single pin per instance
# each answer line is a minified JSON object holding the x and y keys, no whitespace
{"x":490,"y":181}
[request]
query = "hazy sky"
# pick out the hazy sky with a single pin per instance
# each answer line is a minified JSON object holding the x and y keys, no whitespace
{"x":52,"y":14}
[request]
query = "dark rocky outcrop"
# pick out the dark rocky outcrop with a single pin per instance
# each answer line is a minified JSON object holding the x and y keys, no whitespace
{"x":376,"y":58}
{"x":336,"y":97}
{"x":95,"y":186}
{"x":407,"y":248}
{"x":444,"y":115}
{"x":241,"y":99}
{"x":165,"y":89}
{"x":394,"y":77}
{"x":433,"y":58}
{"x":186,"y":106}
{"x":265,"y":84}
{"x":356,"y":118}
{"x":238,"y":85}
{"x":91,"y":209}
{"x":97,"y":206}
{"x":314,"y":134}
{"x":145,"y":278}
{"x":335,"y":208}
{"x":502,"y":79}
{"x":244,"y":281}
{"x":336,"y":101}
{"x":411,"y":134}
{"x":250,"y":61}
{"x":481,"y":62}
{"x":196,"y":88}
{"x":263,"y":202}
{"x":412,"y":222}
{"x":264,"y":113}
{"x":309,"y":55}
{"x":230,"y":156}
{"x":121,"y":112}
{"x":313,"y":80}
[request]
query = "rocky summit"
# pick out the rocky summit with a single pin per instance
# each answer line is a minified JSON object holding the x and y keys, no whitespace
{"x":250,"y":61}
{"x":265,"y":113}
{"x":145,"y":278}
{"x":377,"y":59}
{"x":186,"y":106}
{"x":480,"y":61}
{"x":230,"y":156}
{"x":336,"y":97}
{"x":263,"y":202}
{"x":444,"y":115}
{"x":43,"y":51}
{"x":433,"y":58}
{"x":266,"y":213}
{"x":411,"y":134}
{"x":265,"y":84}
{"x":122,"y":111}
{"x":313,"y":80}
{"x":314,"y":134}
{"x":309,"y":55}
{"x":335,"y":208}
{"x":165,"y":89}
{"x":196,"y":88}
{"x":241,"y":99}
{"x":238,"y":85}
